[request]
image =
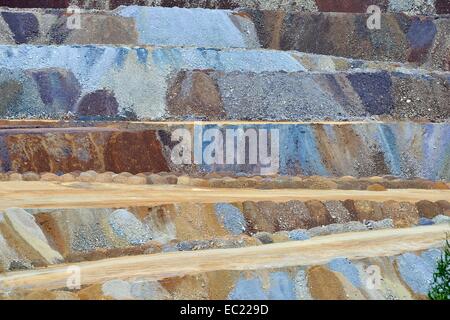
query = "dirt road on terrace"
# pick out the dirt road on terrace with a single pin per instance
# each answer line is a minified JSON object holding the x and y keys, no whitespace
{"x":319,"y":250}
{"x":77,"y":194}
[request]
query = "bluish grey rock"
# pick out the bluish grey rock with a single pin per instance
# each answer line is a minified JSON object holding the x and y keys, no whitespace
{"x":248,"y":289}
{"x":425,"y":222}
{"x":299,"y":234}
{"x":301,"y":286}
{"x":126,"y":226}
{"x":231,"y":217}
{"x":281,"y":287}
{"x":117,"y":289}
{"x":417,"y":270}
{"x":441,"y":219}
{"x":148,"y":290}
{"x":192,"y":27}
{"x":347,"y":268}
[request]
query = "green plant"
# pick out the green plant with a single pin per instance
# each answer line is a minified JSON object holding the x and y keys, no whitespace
{"x":440,"y":287}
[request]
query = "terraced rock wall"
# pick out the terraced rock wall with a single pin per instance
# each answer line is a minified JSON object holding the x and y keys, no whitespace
{"x":361,"y":149}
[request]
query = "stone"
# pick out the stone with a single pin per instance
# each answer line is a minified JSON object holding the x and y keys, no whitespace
{"x":376,"y":187}
{"x":441,"y":219}
{"x":264,"y":237}
{"x":68,"y":177}
{"x":15,"y":177}
{"x":299,"y":234}
{"x":49,"y":177}
{"x":105,"y":177}
{"x":25,"y":226}
{"x":121,"y":177}
{"x":425,"y":222}
{"x":383,"y":224}
{"x":404,"y":214}
{"x":338,"y":211}
{"x":184,"y":180}
{"x":428,"y":209}
{"x":440,"y":186}
{"x":136,"y":180}
{"x":324,"y":284}
{"x":197,"y":182}
{"x":194,"y":93}
{"x":319,"y":213}
{"x":87,"y":177}
{"x":149,"y":290}
{"x":280,"y":236}
{"x":30,"y":176}
{"x":117,"y":290}
{"x":100,"y":103}
{"x":231,"y":218}
{"x":445,"y":206}
{"x":171,"y":179}
{"x":157,"y":179}
{"x":364,"y":210}
{"x":127,"y":227}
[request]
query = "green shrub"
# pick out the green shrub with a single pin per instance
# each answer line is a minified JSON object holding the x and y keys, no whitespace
{"x":440,"y":288}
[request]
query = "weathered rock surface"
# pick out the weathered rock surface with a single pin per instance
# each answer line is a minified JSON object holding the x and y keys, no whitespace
{"x":417,"y":6}
{"x":404,"y":149}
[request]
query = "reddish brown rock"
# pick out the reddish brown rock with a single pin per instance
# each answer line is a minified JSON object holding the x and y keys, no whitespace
{"x":319,"y":213}
{"x":367,"y":210}
{"x":404,"y":214}
{"x":442,"y":6}
{"x":428,"y":209}
{"x":356,"y":6}
{"x":100,"y":103}
{"x":53,"y":232}
{"x":273,"y":217}
{"x":259,"y":216}
{"x":194,"y":93}
{"x":445,"y":207}
{"x":134,"y":152}
{"x":324,"y":284}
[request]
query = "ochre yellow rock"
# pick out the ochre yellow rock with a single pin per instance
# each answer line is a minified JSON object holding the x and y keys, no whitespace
{"x":376,"y":187}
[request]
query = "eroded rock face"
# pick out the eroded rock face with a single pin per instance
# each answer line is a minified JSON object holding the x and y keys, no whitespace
{"x":51,"y":27}
{"x":92,"y":234}
{"x":403,"y":214}
{"x":24,"y":241}
{"x":213,"y":84}
{"x":194,"y":93}
{"x":414,"y":37}
{"x":355,"y":149}
{"x":344,"y":279}
{"x":417,"y":6}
